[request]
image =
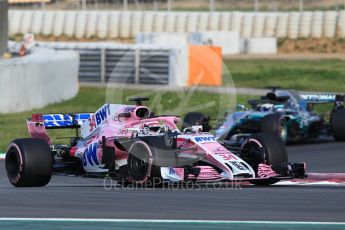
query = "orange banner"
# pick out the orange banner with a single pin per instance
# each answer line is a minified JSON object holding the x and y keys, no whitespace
{"x":205,"y":65}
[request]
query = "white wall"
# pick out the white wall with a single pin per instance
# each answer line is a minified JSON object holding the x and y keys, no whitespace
{"x":228,"y":40}
{"x":260,"y":45}
{"x":34,"y":81}
{"x":162,"y":38}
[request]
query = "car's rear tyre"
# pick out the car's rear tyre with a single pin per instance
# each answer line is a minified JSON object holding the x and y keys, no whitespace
{"x":338,"y":124}
{"x":29,"y":162}
{"x":274,"y":153}
{"x":196,"y":118}
{"x":274,"y":124}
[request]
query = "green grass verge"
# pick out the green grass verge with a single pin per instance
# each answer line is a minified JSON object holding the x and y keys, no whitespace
{"x":90,"y":99}
{"x":313,"y":75}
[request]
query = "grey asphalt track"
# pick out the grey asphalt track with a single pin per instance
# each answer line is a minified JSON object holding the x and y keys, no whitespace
{"x":70,"y":197}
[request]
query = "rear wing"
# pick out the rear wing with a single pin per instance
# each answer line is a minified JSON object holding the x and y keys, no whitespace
{"x":308,"y":100}
{"x":60,"y":120}
{"x":323,"y":98}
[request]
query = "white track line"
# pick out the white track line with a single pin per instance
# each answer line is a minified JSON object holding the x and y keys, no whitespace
{"x":2,"y":156}
{"x":169,"y":221}
{"x":310,"y":183}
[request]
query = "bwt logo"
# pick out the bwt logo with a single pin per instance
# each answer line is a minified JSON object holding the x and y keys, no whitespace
{"x":102,"y":114}
{"x":176,"y":171}
{"x":205,"y":139}
{"x":129,"y":109}
{"x":90,"y":155}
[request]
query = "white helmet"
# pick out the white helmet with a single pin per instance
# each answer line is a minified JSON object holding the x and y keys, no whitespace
{"x":266,"y":107}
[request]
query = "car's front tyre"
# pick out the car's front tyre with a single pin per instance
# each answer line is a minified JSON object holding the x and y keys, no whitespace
{"x":275,"y":124}
{"x":196,"y":118}
{"x":274,"y":153}
{"x":338,"y":124}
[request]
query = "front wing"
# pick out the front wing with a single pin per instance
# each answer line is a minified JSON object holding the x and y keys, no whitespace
{"x":206,"y":174}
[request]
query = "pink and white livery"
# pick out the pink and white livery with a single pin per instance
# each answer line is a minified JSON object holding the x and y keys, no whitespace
{"x":131,"y":145}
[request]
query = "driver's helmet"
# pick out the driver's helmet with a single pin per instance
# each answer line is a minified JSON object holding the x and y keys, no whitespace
{"x":266,"y":107}
{"x":279,"y":107}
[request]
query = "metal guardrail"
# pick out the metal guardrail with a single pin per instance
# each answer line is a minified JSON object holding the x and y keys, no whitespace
{"x":90,"y":65}
{"x":136,"y":66}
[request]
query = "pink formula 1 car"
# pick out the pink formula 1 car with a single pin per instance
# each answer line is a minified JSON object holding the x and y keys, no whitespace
{"x":129,"y":144}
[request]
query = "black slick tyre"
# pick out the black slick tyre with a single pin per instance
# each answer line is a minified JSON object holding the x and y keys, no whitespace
{"x":274,"y":153}
{"x":338,"y":124}
{"x":29,"y":162}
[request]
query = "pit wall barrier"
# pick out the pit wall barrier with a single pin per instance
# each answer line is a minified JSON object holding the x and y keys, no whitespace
{"x":128,"y":64}
{"x":260,"y":45}
{"x":43,"y":77}
{"x":175,"y":65}
{"x":230,"y":41}
{"x":125,"y":25}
